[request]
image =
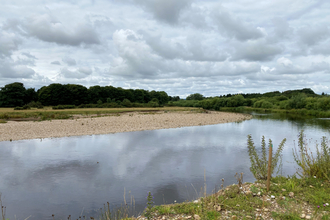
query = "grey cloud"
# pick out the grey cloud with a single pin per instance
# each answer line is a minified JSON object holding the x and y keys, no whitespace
{"x":8,"y":43}
{"x":165,"y":10}
{"x":281,"y":28}
{"x":192,"y":48}
{"x":45,"y":28}
{"x":56,"y":62}
{"x":256,"y":51}
{"x":305,"y":10}
{"x":311,"y":35}
{"x":322,"y":49}
{"x":230,"y":26}
{"x":80,"y":73}
{"x":29,"y":55}
{"x":8,"y":69}
{"x":195,"y":16}
{"x":70,"y":61}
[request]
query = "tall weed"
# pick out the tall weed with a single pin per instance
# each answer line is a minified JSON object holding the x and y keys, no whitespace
{"x":312,"y":166}
{"x":259,"y":166}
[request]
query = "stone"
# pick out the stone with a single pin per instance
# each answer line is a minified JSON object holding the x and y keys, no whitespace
{"x":266,"y":210}
{"x":302,"y":216}
{"x":234,"y":217}
{"x":291,"y":194}
{"x":248,"y":192}
{"x":283,"y":190}
{"x":249,"y":217}
{"x":272,"y":197}
{"x":197,"y":217}
{"x":259,"y":193}
{"x":189,"y":217}
{"x":308,"y":217}
{"x":196,"y":201}
{"x":218,"y":208}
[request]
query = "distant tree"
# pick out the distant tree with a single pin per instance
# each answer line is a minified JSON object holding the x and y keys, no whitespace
{"x":30,"y":95}
{"x":195,"y":96}
{"x":77,"y":94}
{"x":12,"y":95}
{"x":174,"y":98}
{"x":54,"y":94}
{"x":126,"y":103}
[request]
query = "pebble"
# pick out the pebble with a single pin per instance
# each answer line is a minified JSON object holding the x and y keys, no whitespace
{"x":308,"y":217}
{"x":291,"y":194}
{"x":302,"y":216}
{"x":248,"y":192}
{"x":197,"y":217}
{"x":272,"y":197}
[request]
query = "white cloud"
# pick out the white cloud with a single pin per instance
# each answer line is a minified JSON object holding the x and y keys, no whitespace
{"x":79,"y":73}
{"x":50,"y":29}
{"x":233,"y":27}
{"x":178,"y":46}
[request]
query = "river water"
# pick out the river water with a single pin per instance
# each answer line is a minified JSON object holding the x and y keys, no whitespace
{"x":77,"y":175}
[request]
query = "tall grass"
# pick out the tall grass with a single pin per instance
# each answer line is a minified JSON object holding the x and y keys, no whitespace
{"x":259,"y":165}
{"x":312,"y":165}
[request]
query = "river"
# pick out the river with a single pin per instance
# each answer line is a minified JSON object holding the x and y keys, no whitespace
{"x":77,"y":175}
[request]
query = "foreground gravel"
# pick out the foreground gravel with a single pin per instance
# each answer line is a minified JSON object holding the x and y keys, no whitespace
{"x":124,"y":122}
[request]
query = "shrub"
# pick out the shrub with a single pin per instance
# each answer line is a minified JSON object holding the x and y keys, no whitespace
{"x":63,"y":107}
{"x":311,"y":166}
{"x":259,"y":166}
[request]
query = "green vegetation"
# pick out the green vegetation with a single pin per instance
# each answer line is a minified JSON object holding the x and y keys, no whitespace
{"x":259,"y":166}
{"x":62,"y":113}
{"x":313,"y":166}
{"x":16,"y":95}
{"x":304,"y":102}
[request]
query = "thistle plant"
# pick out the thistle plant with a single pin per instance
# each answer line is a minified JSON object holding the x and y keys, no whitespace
{"x":317,"y":165}
{"x":259,"y":166}
{"x":150,"y":203}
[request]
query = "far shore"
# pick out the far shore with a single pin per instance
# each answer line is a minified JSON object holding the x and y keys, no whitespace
{"x":124,"y":122}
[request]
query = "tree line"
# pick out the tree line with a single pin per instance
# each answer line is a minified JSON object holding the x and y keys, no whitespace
{"x":291,"y":99}
{"x":15,"y":94}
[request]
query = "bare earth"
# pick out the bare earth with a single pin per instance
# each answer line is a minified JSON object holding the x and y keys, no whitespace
{"x":124,"y":122}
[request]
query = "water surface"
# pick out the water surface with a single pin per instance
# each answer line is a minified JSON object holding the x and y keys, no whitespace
{"x":77,"y":175}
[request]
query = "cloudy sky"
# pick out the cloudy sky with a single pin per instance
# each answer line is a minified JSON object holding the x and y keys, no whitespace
{"x":178,"y":46}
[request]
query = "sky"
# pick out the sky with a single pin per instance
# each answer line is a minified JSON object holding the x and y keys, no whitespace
{"x":179,"y":46}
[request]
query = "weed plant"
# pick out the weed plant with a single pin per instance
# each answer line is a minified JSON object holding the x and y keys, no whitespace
{"x":312,"y":166}
{"x":259,"y":166}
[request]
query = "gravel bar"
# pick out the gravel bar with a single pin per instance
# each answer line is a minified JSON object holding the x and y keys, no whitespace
{"x":124,"y":122}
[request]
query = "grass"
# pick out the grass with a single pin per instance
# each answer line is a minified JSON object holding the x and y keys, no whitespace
{"x":252,"y":201}
{"x":49,"y":114}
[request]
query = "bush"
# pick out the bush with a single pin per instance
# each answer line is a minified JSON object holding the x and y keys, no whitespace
{"x":63,"y":107}
{"x":259,"y":166}
{"x":34,"y":104}
{"x":311,"y":166}
{"x":25,"y":107}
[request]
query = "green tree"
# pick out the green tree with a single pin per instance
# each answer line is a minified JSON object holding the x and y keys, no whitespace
{"x":12,"y":95}
{"x":53,"y":95}
{"x":195,"y":96}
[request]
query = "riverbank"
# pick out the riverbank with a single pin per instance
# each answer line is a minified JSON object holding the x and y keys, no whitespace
{"x":288,"y":198}
{"x":113,"y":123}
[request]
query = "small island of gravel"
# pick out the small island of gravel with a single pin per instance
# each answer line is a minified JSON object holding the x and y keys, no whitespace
{"x":123,"y":122}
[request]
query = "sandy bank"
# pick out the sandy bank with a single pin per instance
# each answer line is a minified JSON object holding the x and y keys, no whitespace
{"x":125,"y":122}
